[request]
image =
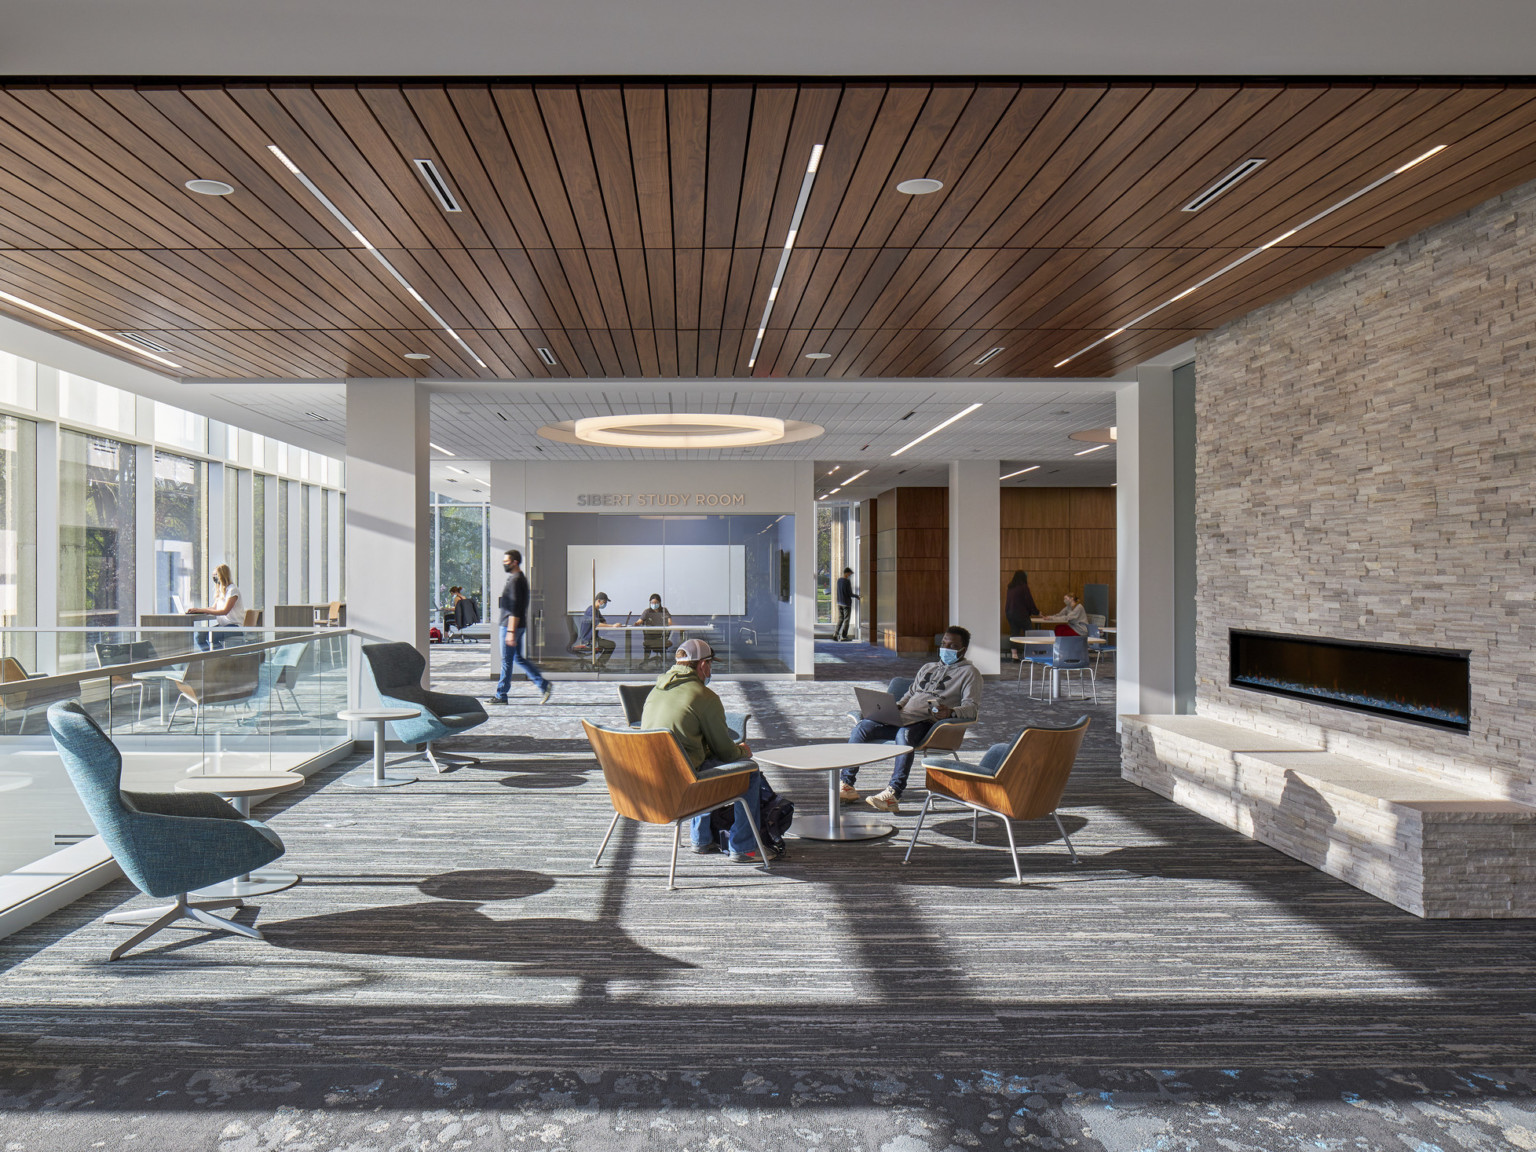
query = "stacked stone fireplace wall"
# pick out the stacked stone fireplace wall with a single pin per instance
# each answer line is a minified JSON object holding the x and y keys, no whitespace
{"x":1366,"y":470}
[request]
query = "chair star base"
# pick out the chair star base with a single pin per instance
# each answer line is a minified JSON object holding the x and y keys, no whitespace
{"x":200,"y":912}
{"x":976,"y":811}
{"x":440,"y":761}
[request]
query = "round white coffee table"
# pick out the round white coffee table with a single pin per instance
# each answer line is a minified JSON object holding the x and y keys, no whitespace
{"x":832,"y":759}
{"x":378,"y":717}
{"x":238,"y":790}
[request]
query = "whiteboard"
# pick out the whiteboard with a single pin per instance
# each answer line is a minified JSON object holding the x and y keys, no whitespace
{"x":693,"y":579}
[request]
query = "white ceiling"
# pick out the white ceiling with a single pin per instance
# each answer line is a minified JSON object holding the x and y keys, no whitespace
{"x":483,"y":38}
{"x":1018,"y":426}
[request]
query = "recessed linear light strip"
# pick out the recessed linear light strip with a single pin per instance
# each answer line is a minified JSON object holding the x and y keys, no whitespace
{"x":846,"y":482}
{"x":87,"y":329}
{"x":1241,"y":260}
{"x":1020,"y":472}
{"x":1095,"y":448}
{"x":372,"y":251}
{"x":789,"y":246}
{"x":937,"y":428}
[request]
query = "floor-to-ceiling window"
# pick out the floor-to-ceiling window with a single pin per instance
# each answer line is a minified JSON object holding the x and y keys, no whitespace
{"x":282,"y":540}
{"x":18,"y":534}
{"x":458,"y":533}
{"x":96,"y":531}
{"x":305,"y":494}
{"x":181,"y":533}
{"x":231,"y":554}
{"x":258,"y":576}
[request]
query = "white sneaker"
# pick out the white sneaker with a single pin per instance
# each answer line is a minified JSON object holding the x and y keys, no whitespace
{"x":886,"y":801}
{"x":848,"y":794}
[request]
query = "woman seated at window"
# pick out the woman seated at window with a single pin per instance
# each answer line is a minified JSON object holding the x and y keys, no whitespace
{"x":224,"y":608}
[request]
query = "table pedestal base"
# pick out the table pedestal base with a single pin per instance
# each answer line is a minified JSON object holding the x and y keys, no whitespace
{"x":259,"y":883}
{"x":368,"y":778}
{"x":851,"y":827}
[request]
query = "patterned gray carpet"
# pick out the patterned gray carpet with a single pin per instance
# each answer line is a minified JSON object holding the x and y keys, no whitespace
{"x":452,"y":973}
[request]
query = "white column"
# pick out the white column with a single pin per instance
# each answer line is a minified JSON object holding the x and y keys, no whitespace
{"x":388,"y":425}
{"x":295,"y":556}
{"x":975,"y":558}
{"x":317,"y":591}
{"x":1144,"y":640}
{"x":144,"y":574}
{"x":332,"y":542}
{"x":805,"y":569}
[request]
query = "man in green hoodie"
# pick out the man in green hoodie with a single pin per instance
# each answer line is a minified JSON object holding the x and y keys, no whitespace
{"x":682,"y":703}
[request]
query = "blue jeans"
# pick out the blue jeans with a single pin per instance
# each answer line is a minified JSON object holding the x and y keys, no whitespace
{"x":512,"y":659}
{"x":873,"y":732}
{"x":208,"y":641}
{"x":741,"y":841}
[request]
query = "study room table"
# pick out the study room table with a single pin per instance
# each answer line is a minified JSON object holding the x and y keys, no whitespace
{"x":1050,"y":642}
{"x":629,"y":631}
{"x":832,"y":759}
{"x":238,"y":790}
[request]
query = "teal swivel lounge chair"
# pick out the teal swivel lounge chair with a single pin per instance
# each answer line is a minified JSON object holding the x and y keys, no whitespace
{"x":397,"y":670}
{"x":168,"y":843}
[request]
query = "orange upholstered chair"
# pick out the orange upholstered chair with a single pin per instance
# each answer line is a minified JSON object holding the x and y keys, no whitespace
{"x":650,"y":781}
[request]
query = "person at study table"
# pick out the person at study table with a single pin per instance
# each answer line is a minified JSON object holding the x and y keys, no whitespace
{"x":1072,"y":620}
{"x":225,"y":608}
{"x":654,"y":643}
{"x":602,"y":647}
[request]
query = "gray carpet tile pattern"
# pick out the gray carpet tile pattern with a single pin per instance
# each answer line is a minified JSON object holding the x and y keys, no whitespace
{"x":452,"y":973}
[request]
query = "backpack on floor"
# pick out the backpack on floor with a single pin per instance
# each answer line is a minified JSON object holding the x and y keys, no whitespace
{"x":775,"y":813}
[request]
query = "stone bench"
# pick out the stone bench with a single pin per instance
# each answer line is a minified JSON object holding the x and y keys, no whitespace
{"x":1432,"y":849}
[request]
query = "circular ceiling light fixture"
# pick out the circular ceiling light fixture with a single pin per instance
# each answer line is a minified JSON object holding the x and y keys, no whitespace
{"x":672,"y":430}
{"x":418,"y":355}
{"x":818,"y":355}
{"x":209,"y":187}
{"x":919,"y":187}
{"x":1094,"y":435}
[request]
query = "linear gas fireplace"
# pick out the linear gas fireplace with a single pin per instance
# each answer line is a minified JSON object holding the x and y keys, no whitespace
{"x":1422,"y":685}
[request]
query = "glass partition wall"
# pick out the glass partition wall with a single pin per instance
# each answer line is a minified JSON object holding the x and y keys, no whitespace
{"x":724,"y":579}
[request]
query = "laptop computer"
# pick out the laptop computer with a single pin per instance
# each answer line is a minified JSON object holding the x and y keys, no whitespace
{"x":177,"y":606}
{"x":881,"y":706}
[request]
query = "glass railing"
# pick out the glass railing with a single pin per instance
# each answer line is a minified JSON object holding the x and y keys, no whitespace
{"x":264,"y":701}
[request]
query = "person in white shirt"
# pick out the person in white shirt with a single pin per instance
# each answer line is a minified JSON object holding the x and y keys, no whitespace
{"x":224,"y":608}
{"x":1072,"y":620}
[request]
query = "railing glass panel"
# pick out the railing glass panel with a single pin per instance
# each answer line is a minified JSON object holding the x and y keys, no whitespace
{"x":265,"y":700}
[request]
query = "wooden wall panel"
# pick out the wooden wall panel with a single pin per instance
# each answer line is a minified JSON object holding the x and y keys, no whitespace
{"x":1062,"y":538}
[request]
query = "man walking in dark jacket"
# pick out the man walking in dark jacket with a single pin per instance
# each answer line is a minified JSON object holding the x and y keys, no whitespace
{"x":512,"y":621}
{"x":845,"y":598}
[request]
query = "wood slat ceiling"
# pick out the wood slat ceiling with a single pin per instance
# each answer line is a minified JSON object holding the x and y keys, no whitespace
{"x":634,"y":229}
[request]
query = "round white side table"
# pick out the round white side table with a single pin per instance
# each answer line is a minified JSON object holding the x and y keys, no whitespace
{"x":238,"y":790}
{"x":832,"y":759}
{"x":378,"y":717}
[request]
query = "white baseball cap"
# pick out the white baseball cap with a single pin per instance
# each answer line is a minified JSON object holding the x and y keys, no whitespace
{"x":694,"y":650}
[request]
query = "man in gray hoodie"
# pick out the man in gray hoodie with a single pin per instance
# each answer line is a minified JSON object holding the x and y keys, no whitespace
{"x":948,"y":688}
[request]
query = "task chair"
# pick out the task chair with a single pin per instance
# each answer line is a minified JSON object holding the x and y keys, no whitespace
{"x":650,"y":781}
{"x":632,"y":698}
{"x":397,"y":670}
{"x":1022,"y":781}
{"x":168,"y":843}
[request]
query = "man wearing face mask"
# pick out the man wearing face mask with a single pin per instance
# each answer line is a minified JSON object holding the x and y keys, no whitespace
{"x":948,"y":688}
{"x":512,"y":621}
{"x":654,"y":643}
{"x":681,"y":703}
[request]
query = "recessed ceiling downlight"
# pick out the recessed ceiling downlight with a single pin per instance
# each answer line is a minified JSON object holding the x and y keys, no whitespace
{"x":209,"y":187}
{"x":920,"y":187}
{"x":818,"y":355}
{"x":418,"y":355}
